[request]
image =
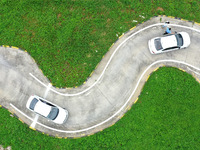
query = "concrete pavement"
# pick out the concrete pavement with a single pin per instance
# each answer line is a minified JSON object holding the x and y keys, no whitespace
{"x":111,"y":90}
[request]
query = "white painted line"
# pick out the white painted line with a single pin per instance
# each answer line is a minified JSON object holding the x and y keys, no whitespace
{"x":47,"y":90}
{"x":37,"y":80}
{"x":158,"y":24}
{"x":193,"y":71}
{"x":157,"y":62}
{"x":34,"y":121}
{"x":21,"y":112}
{"x":87,"y":93}
{"x":89,"y":128}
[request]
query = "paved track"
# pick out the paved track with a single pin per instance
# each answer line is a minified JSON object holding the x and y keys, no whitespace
{"x":111,"y":90}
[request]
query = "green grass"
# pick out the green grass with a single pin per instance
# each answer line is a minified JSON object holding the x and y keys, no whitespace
{"x":68,"y":38}
{"x":165,"y":117}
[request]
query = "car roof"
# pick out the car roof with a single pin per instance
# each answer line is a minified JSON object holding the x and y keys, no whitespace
{"x":42,"y":108}
{"x":168,"y":41}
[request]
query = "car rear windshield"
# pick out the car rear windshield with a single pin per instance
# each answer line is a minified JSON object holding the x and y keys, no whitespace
{"x":53,"y":113}
{"x":179,"y":39}
{"x":33,"y":103}
{"x":158,"y":44}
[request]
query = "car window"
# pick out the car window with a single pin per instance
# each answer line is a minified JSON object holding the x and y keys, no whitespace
{"x":33,"y":103}
{"x":53,"y":113}
{"x":179,"y":39}
{"x":46,"y":103}
{"x":158,"y":45}
{"x":170,"y":48}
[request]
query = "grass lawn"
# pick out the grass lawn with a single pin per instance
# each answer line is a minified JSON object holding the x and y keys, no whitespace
{"x":164,"y":117}
{"x":68,"y":39}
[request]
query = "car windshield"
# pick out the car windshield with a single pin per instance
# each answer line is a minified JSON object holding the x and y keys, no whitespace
{"x":53,"y":113}
{"x":158,"y":44}
{"x":179,"y":39}
{"x":33,"y":103}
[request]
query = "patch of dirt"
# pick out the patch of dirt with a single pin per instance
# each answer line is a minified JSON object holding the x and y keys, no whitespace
{"x":88,"y":55}
{"x":93,"y":31}
{"x":58,"y":16}
{"x":103,"y":33}
{"x":160,"y":8}
{"x":108,"y":20}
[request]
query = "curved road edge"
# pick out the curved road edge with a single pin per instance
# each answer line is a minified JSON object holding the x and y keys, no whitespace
{"x":132,"y":98}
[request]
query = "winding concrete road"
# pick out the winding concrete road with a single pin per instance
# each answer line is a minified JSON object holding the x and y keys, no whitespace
{"x":111,"y":90}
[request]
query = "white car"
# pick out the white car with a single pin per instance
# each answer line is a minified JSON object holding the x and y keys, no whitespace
{"x":169,"y":42}
{"x":47,"y":109}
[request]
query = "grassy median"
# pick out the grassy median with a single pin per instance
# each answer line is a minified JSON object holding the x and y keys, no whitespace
{"x":68,"y":39}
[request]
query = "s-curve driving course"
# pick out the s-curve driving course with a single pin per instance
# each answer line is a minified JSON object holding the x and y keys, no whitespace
{"x":111,"y":90}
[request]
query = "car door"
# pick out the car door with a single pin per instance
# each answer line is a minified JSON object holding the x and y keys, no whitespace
{"x":170,"y":49}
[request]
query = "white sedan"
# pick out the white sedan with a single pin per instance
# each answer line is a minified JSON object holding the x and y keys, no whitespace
{"x":169,"y":42}
{"x":47,"y":109}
